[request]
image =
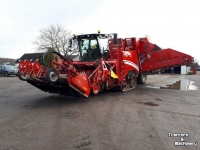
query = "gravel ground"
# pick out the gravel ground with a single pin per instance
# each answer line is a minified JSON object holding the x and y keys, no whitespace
{"x":137,"y":119}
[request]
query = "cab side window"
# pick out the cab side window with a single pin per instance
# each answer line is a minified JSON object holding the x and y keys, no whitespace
{"x":94,"y":49}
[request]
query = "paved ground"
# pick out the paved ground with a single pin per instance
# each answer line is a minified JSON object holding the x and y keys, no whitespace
{"x":136,"y":119}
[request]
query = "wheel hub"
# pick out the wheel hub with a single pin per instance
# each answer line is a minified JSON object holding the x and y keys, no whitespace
{"x":53,"y":76}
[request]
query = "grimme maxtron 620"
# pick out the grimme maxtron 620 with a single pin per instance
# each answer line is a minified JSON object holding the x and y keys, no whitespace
{"x":105,"y":62}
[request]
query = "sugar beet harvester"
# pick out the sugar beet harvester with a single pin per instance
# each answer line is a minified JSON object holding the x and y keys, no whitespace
{"x":105,"y":62}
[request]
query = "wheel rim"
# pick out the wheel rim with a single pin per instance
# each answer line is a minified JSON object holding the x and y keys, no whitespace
{"x":53,"y":76}
{"x":133,"y":82}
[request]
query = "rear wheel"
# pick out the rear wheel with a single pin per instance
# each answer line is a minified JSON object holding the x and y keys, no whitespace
{"x":142,"y":78}
{"x":52,"y":75}
{"x":103,"y":86}
{"x":133,"y":83}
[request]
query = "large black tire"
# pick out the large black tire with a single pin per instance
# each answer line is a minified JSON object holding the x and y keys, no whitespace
{"x":133,"y":83}
{"x":142,"y":78}
{"x":103,"y":86}
{"x":52,"y":75}
{"x":21,"y":77}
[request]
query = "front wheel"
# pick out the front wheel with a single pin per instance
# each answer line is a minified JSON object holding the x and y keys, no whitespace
{"x":6,"y":74}
{"x":52,"y":75}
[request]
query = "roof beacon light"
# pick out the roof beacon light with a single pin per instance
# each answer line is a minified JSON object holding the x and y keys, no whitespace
{"x":98,"y":31}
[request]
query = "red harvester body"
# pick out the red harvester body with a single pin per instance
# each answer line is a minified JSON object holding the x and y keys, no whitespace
{"x":104,"y":62}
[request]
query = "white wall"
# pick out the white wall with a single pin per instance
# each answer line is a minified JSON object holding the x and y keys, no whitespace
{"x":183,"y":70}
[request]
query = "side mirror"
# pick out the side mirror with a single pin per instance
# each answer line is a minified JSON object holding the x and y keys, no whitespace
{"x":115,"y":38}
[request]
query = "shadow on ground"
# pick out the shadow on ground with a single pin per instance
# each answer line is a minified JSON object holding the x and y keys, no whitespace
{"x":55,"y":100}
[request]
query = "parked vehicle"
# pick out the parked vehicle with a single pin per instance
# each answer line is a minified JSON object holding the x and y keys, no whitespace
{"x":105,"y":62}
{"x":198,"y":69}
{"x":7,"y":70}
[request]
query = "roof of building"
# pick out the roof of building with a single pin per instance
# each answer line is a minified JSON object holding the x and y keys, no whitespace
{"x":7,"y":61}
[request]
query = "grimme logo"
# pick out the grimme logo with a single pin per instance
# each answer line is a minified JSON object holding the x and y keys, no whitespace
{"x":182,"y":141}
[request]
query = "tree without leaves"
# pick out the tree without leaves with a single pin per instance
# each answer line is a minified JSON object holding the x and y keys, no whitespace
{"x":195,"y":60}
{"x":53,"y":37}
{"x":1,"y":61}
{"x":195,"y":63}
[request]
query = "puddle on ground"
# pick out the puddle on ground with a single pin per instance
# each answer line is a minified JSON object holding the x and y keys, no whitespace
{"x":183,"y":85}
{"x":158,"y":99}
{"x":148,"y":103}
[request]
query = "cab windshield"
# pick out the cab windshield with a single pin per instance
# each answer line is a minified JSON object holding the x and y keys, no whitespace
{"x":89,"y":49}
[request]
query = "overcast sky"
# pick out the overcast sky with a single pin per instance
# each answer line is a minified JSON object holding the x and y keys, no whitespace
{"x":170,"y":23}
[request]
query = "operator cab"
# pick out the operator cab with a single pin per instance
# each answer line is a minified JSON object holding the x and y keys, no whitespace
{"x":91,"y":46}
